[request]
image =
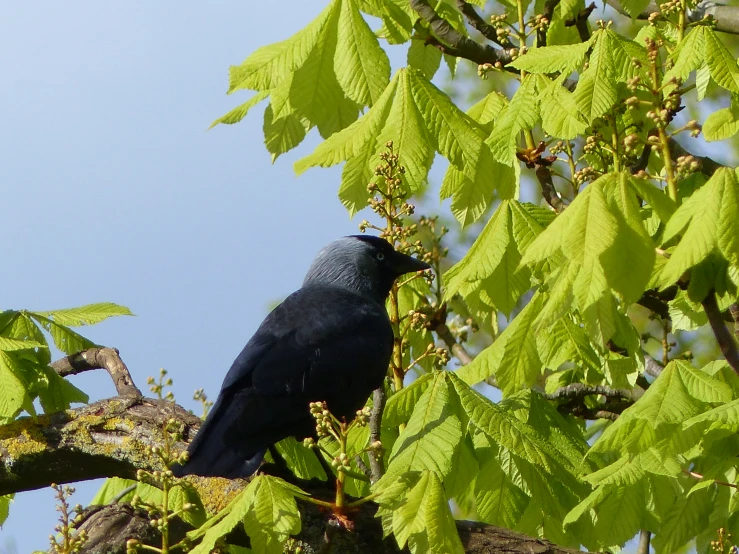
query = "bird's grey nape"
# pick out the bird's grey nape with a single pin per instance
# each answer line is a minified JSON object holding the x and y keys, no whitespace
{"x":346,"y":262}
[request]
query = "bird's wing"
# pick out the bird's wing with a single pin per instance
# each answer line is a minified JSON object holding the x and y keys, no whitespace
{"x":319,"y":344}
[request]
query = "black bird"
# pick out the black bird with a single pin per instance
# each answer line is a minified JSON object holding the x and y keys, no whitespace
{"x":331,"y":341}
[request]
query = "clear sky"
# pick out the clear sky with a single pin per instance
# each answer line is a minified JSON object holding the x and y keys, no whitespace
{"x":112,"y":190}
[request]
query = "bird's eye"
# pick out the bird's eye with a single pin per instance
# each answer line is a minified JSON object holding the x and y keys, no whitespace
{"x":380,"y":256}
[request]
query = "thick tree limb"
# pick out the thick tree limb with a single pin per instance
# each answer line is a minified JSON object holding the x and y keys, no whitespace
{"x":99,"y":358}
{"x":725,"y":340}
{"x":105,"y":439}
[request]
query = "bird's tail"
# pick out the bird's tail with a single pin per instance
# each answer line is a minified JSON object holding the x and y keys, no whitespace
{"x":210,"y":456}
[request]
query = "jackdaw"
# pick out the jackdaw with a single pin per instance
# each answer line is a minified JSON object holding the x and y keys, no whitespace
{"x":331,"y":341}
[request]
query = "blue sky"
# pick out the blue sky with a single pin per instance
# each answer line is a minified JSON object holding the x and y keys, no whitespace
{"x":114,"y":191}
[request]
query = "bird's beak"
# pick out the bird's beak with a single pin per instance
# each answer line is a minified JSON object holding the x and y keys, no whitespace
{"x":405,"y":264}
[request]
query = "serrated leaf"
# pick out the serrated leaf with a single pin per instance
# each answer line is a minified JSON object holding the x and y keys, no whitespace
{"x":85,"y":315}
{"x":722,"y":124}
{"x":488,"y":109}
{"x":424,"y":519}
{"x":282,"y":134}
{"x":400,"y":405}
{"x":12,"y":390}
{"x":418,"y":119}
{"x":59,"y":394}
{"x":513,"y":358}
{"x":302,"y":461}
{"x":64,"y":338}
{"x":505,"y":429}
{"x":634,"y":7}
{"x":9,"y":345}
{"x":552,"y":59}
{"x":222,"y":523}
{"x":559,"y":114}
{"x":362,"y":67}
{"x":431,"y":436}
{"x":274,"y":516}
{"x":521,"y":113}
{"x":721,"y":63}
{"x":688,"y":517}
{"x":239,"y":113}
{"x":710,"y":215}
{"x":689,"y":55}
{"x":596,"y":90}
{"x":492,"y":261}
{"x":424,"y":57}
{"x":498,"y":500}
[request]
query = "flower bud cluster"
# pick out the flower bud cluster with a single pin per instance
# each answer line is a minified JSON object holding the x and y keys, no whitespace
{"x":363,"y":416}
{"x":341,"y":462}
{"x":320,"y":413}
{"x":687,"y":164}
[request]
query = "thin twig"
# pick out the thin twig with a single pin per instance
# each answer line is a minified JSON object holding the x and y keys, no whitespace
{"x":377,"y":469}
{"x":644,"y":537}
{"x":544,"y":174}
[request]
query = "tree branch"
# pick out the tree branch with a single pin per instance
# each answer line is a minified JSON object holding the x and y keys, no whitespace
{"x":727,"y":17}
{"x":478,"y":23}
{"x":578,"y":391}
{"x":105,"y":439}
{"x":725,"y":340}
{"x":111,"y":438}
{"x":108,"y":359}
{"x":375,"y":458}
{"x":580,"y":22}
{"x":458,"y":44}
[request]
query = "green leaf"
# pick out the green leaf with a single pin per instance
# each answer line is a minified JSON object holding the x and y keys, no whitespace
{"x":513,"y":358}
{"x":302,"y":461}
{"x":722,"y":124}
{"x":64,"y":338}
{"x":431,"y":437}
{"x":559,"y":114}
{"x":634,"y":7}
{"x":487,"y":110}
{"x":552,"y":59}
{"x":424,"y":57}
{"x":85,"y":315}
{"x":508,"y":431}
{"x":239,"y":113}
{"x":688,"y":517}
{"x":12,"y":391}
{"x":424,"y":520}
{"x":5,"y":501}
{"x":491,"y":264}
{"x":178,"y":496}
{"x":274,"y":516}
{"x":522,"y":113}
{"x":710,"y":215}
{"x":679,"y":393}
{"x":721,"y":63}
{"x":400,"y":405}
{"x":660,"y":202}
{"x":222,"y":523}
{"x":362,"y":67}
{"x":282,"y":134}
{"x":498,"y":499}
{"x":9,"y":345}
{"x":596,"y":90}
{"x":418,"y":119}
{"x":689,"y":55}
{"x":59,"y":394}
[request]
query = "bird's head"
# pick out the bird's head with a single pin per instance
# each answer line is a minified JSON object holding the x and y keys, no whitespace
{"x":363,"y":263}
